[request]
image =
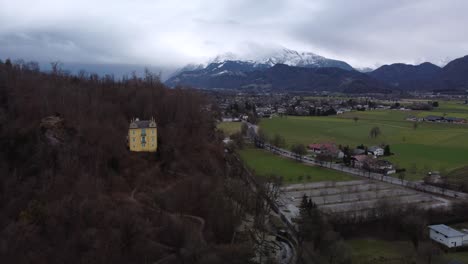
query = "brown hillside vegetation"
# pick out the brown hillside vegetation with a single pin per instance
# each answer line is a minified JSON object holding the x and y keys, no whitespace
{"x":71,"y":192}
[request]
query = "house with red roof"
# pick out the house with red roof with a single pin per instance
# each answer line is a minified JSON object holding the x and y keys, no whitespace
{"x":326,"y":148}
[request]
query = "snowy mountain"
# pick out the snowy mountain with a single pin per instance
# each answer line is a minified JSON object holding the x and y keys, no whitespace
{"x":303,"y":59}
{"x":231,"y":64}
{"x":280,"y":77}
{"x":281,"y":70}
{"x":186,"y":68}
{"x":284,"y":56}
{"x":228,"y":56}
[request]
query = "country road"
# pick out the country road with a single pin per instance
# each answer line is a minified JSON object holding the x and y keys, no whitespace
{"x":362,"y":173}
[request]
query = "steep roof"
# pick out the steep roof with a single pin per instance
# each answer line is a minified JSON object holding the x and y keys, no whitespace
{"x":434,"y":117}
{"x":324,"y":146}
{"x":358,"y":151}
{"x":374,"y":148}
{"x":142,"y":124}
{"x":361,"y":158}
{"x":454,"y":119}
{"x":446,"y":230}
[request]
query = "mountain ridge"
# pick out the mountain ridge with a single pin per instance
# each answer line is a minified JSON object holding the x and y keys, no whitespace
{"x":425,"y":76}
{"x":280,"y":77}
{"x":232,"y":72}
{"x":281,"y":56}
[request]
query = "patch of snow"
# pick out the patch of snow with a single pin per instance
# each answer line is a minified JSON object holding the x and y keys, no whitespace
{"x":222,"y":72}
{"x":228,"y":56}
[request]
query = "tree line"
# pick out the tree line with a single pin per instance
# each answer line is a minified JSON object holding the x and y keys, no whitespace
{"x":71,"y":192}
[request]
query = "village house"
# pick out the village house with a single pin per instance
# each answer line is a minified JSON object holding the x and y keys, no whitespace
{"x":432,"y":118}
{"x":358,"y":151}
{"x":455,"y":120}
{"x":143,"y":135}
{"x":448,"y":236}
{"x":413,"y":118}
{"x":327,"y":149}
{"x":372,"y":164}
{"x":383,"y":166}
{"x":360,"y":160}
{"x":376,"y":151}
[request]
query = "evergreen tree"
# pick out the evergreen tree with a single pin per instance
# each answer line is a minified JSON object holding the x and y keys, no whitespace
{"x":387,"y":151}
{"x":8,"y":63}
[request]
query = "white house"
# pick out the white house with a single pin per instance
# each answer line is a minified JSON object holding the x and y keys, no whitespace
{"x":376,"y":151}
{"x":447,"y":236}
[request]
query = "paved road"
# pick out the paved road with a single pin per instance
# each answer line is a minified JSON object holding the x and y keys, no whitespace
{"x":371,"y":175}
{"x":288,"y":253}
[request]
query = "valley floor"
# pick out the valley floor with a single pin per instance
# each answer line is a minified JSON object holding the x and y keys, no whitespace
{"x":429,"y":147}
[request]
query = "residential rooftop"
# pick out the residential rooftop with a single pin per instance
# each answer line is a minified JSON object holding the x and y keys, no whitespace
{"x":446,"y":230}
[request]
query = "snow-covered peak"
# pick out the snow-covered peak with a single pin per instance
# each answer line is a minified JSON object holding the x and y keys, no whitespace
{"x":192,"y":67}
{"x":228,"y":56}
{"x":279,"y":56}
{"x":293,"y":58}
{"x":284,"y":56}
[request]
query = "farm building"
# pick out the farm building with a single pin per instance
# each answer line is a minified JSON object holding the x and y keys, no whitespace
{"x":327,"y":149}
{"x":445,"y":119}
{"x":323,"y":147}
{"x":448,"y":236}
{"x":432,"y":118}
{"x":455,"y":120}
{"x":360,"y":160}
{"x":373,"y":164}
{"x":376,"y":151}
{"x":383,"y":166}
{"x":359,"y":151}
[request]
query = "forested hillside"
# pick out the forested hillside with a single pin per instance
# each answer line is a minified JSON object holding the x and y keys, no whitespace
{"x":71,"y":192}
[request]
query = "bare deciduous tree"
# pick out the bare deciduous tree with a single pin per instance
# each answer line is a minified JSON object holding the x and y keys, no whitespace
{"x":375,"y":132}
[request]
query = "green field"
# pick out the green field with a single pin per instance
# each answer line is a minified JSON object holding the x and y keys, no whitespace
{"x":229,"y":128}
{"x":266,"y":164}
{"x":383,"y":251}
{"x":431,"y":146}
{"x":380,"y":251}
{"x":458,"y":256}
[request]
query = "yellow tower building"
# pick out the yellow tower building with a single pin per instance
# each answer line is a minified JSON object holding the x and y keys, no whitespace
{"x":143,"y":135}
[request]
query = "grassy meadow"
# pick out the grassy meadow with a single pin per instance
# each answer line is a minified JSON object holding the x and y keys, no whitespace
{"x":230,"y":128}
{"x":430,"y":146}
{"x":266,"y":164}
{"x":384,"y":251}
{"x":380,"y":251}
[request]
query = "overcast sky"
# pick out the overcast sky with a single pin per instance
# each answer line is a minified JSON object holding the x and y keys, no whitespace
{"x":171,"y":33}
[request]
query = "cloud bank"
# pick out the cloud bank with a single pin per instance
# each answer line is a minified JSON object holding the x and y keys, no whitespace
{"x":173,"y":33}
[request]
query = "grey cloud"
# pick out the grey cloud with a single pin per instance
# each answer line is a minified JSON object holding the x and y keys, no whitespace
{"x":172,"y":33}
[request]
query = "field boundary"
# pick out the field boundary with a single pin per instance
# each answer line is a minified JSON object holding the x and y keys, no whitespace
{"x":370,"y":175}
